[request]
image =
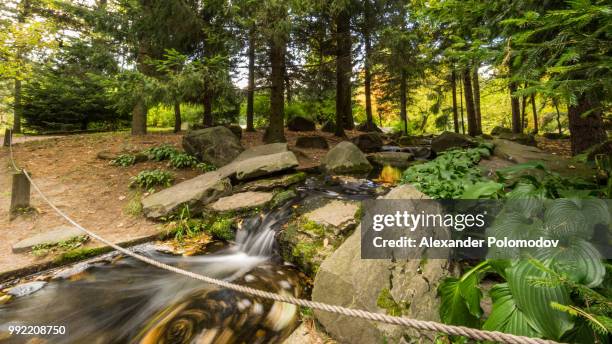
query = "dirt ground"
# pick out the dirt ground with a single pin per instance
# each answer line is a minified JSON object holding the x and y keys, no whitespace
{"x":90,"y":190}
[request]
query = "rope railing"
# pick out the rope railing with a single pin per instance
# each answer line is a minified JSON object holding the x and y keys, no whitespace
{"x":452,"y":330}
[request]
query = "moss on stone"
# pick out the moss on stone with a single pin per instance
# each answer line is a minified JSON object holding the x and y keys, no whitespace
{"x":386,"y":301}
{"x":221,"y":228}
{"x":80,"y":253}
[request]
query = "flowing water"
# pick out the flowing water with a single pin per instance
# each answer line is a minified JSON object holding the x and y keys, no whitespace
{"x":121,"y":300}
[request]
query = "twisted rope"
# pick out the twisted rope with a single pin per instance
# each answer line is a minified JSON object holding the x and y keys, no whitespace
{"x":351,"y":312}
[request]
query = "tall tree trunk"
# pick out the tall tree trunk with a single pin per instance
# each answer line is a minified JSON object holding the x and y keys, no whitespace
{"x":139,"y":111}
{"x":535,"y":114}
{"x":177,"y":116}
{"x":461,"y":106}
{"x":556,"y":104}
{"x":207,"y":119}
{"x":516,"y":109}
{"x":523,"y":113}
{"x":403,"y":101}
{"x":476,"y":87}
{"x":251,"y":86}
{"x":469,"y":103}
{"x":454,"y":90}
{"x":17,"y":107}
{"x":586,"y":129}
{"x":344,"y":115}
{"x":276,"y":128}
{"x":288,"y":94}
{"x":367,"y":66}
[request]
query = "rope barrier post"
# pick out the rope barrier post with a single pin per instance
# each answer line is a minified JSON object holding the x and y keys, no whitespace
{"x":20,"y":192}
{"x":8,"y":133}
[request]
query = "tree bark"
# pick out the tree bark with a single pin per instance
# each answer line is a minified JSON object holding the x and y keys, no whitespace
{"x":276,"y":128}
{"x":403,"y":101}
{"x":523,"y":113}
{"x":476,"y":86}
{"x":177,"y":116}
{"x":469,"y":103}
{"x":251,"y":87}
{"x":454,"y":91}
{"x":516,"y":111}
{"x":207,"y":118}
{"x":556,"y":104}
{"x":344,"y":115}
{"x":139,"y":117}
{"x":585,"y":123}
{"x":17,"y":107}
{"x":367,"y":67}
{"x":461,"y":104}
{"x":535,"y":114}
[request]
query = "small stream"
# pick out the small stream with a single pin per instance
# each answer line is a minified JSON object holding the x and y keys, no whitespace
{"x":118,"y":299}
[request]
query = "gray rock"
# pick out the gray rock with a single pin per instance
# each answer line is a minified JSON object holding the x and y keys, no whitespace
{"x":241,"y":201}
{"x":347,"y":280}
{"x":51,"y":237}
{"x":268,"y":149}
{"x":265,"y":165}
{"x":299,"y":123}
{"x":395,"y":159}
{"x":345,"y":158}
{"x":236,"y":129}
{"x":314,"y":141}
{"x":216,"y":145}
{"x":522,"y":138}
{"x":338,"y":214}
{"x":194,"y":193}
{"x":499,"y":130}
{"x":449,"y":140}
{"x":272,"y":183}
{"x":368,"y":142}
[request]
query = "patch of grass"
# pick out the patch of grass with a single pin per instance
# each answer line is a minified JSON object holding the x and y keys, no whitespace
{"x":147,"y":179}
{"x":124,"y":160}
{"x":185,"y":226}
{"x":80,"y":253}
{"x":205,"y":167}
{"x":71,"y":244}
{"x":134,"y":205}
{"x":314,"y":228}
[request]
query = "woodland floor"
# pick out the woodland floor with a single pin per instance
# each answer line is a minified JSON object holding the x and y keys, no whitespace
{"x":90,"y":190}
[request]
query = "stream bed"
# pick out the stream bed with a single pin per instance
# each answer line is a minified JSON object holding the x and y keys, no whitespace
{"x":117,"y":299}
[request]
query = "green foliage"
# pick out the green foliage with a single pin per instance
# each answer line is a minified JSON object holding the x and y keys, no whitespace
{"x":185,"y":226}
{"x":205,"y":167}
{"x":450,"y":174}
{"x":149,"y":178}
{"x":461,"y":298}
{"x":62,"y":246}
{"x":386,"y":301}
{"x":124,"y":160}
{"x":161,"y":152}
{"x":182,"y":160}
{"x":222,"y":228}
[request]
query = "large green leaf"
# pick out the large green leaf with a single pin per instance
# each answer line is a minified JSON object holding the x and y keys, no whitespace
{"x":579,"y":260}
{"x":506,"y":316}
{"x":482,"y":189}
{"x":565,"y":219}
{"x":535,"y":302}
{"x":460,"y":301}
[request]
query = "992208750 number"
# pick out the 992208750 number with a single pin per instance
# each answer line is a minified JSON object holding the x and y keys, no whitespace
{"x":37,"y":329}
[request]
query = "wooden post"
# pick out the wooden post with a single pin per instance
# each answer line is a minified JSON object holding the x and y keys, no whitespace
{"x":8,"y":133}
{"x":20,"y":194}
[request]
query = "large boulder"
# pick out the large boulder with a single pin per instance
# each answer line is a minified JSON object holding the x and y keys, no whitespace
{"x":347,"y":280}
{"x":522,"y":138}
{"x":314,"y":141}
{"x":281,"y":182}
{"x":368,"y":142}
{"x":499,"y":130}
{"x":396,"y":159}
{"x":236,"y":129}
{"x":217,"y":145}
{"x":272,"y":148}
{"x":299,"y":123}
{"x":345,"y":158}
{"x":194,"y":193}
{"x":449,"y":140}
{"x":264,"y":165}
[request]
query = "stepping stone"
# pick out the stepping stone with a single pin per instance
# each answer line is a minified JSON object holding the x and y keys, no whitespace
{"x":242,"y":201}
{"x":335,"y":213}
{"x":52,"y":237}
